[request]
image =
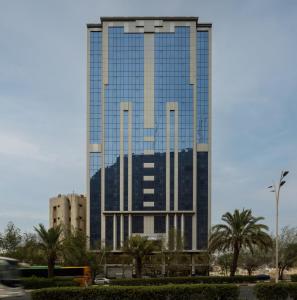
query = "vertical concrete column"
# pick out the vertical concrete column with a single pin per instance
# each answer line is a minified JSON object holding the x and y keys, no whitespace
{"x":130,"y":156}
{"x":167,"y":157}
{"x":103,"y":230}
{"x":193,"y":264}
{"x":149,"y":72}
{"x":182,"y":227}
{"x":209,"y":127}
{"x":125,"y":106}
{"x":148,"y":225}
{"x":130,"y":225}
{"x":193,"y":81}
{"x":104,"y":83}
{"x":176,"y":232}
{"x":176,"y":156}
{"x":171,"y":106}
{"x":122,"y":108}
{"x":88,"y":229}
{"x":114,"y":232}
{"x":167,"y":230}
{"x":122,"y":229}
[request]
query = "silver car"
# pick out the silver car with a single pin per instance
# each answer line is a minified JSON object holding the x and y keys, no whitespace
{"x":101,"y":280}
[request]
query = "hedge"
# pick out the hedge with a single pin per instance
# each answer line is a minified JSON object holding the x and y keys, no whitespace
{"x":273,"y":291}
{"x":294,"y":277}
{"x":168,"y":292}
{"x":33,"y":282}
{"x":184,"y":280}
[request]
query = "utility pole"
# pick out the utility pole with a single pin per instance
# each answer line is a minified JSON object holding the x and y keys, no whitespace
{"x":275,"y":188}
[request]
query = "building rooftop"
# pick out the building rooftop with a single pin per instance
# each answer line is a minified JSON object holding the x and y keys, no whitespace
{"x":103,"y":19}
{"x":127,"y":19}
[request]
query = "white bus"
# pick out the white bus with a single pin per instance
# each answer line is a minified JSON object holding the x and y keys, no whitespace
{"x":10,"y":285}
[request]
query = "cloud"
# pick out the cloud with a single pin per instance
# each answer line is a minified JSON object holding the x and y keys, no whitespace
{"x":16,"y":145}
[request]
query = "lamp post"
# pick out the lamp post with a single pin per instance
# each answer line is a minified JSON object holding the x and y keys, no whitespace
{"x":275,"y":188}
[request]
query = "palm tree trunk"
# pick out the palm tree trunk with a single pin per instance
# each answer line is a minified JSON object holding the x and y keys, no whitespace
{"x":51,"y":267}
{"x":234,"y":261}
{"x":138,"y":261}
{"x":281,"y":273}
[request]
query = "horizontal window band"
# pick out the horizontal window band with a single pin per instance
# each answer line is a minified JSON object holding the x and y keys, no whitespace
{"x":149,"y":138}
{"x":148,"y":152}
{"x":148,"y":204}
{"x":149,"y":165}
{"x":142,"y":212}
{"x":202,"y":147}
{"x":95,"y":148}
{"x":148,"y":178}
{"x":148,"y":191}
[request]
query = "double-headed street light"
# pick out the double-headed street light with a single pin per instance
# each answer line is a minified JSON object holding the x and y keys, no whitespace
{"x":275,"y":188}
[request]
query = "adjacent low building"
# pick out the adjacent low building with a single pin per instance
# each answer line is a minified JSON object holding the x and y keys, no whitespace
{"x":69,"y":211}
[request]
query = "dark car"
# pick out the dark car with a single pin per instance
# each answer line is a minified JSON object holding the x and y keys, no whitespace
{"x":262,"y":277}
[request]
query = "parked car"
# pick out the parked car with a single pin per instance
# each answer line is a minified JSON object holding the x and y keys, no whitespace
{"x":263,"y":277}
{"x":101,"y":280}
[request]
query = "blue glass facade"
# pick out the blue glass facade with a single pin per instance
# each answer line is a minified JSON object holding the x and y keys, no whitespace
{"x":202,"y":86}
{"x":117,"y":122}
{"x":95,"y":58}
{"x":125,"y":83}
{"x":172,"y":83}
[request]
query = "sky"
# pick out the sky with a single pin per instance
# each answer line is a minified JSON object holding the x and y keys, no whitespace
{"x":43,"y":101}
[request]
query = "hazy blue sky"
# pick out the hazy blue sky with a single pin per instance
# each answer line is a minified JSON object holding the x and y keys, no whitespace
{"x":43,"y":95}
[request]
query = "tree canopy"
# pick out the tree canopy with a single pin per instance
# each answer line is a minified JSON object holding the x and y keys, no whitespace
{"x":239,"y":230}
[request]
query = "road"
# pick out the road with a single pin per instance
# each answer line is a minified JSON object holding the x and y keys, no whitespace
{"x":26,"y":297}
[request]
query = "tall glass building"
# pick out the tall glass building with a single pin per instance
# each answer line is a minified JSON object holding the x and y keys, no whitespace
{"x":149,"y":130}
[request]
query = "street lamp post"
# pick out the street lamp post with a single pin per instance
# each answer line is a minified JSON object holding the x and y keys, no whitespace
{"x":275,"y":188}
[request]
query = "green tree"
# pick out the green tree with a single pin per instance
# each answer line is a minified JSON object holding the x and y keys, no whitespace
{"x":74,"y":248}
{"x":96,"y":261}
{"x":287,"y":249}
{"x":29,"y":250}
{"x":139,"y":247}
{"x":224,"y":261}
{"x":10,"y":239}
{"x":253,"y":261}
{"x":175,"y":259}
{"x":240,"y":230}
{"x":50,"y":243}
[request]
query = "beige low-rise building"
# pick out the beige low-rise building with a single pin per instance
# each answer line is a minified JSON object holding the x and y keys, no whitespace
{"x":69,"y":211}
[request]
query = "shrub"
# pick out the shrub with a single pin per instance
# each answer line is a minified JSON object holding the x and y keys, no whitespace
{"x":273,"y":291}
{"x":294,"y":277}
{"x":32,"y":283}
{"x":169,"y":292}
{"x":184,"y":280}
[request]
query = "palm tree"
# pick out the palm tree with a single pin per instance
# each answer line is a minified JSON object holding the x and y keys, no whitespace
{"x":50,"y":243}
{"x":139,"y":247}
{"x":241,"y":230}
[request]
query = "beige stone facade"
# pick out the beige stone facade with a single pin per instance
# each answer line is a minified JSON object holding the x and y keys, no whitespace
{"x":69,"y":211}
